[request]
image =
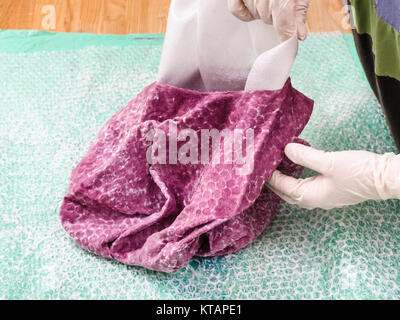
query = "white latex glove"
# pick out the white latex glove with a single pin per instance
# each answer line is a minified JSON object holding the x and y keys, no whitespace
{"x":285,"y":15}
{"x":346,"y":178}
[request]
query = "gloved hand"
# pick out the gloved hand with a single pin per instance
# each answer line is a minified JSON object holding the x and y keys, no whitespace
{"x":347,"y":177}
{"x":285,"y":15}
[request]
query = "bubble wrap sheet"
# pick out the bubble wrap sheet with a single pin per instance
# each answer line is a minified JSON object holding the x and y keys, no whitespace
{"x":53,"y":103}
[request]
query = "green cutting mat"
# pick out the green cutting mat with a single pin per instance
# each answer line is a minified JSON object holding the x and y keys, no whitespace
{"x":57,"y":90}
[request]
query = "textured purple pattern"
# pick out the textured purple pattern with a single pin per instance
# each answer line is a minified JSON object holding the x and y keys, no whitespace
{"x":159,"y":216}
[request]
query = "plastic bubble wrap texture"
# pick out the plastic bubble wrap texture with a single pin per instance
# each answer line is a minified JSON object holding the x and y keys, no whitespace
{"x":52,"y":104}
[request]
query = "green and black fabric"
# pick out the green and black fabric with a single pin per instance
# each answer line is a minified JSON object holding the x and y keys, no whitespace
{"x":377,"y":39}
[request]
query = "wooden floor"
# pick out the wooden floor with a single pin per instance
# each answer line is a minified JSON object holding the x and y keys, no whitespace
{"x":128,"y":16}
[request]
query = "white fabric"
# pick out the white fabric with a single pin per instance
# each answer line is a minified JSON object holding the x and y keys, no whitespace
{"x":208,"y":49}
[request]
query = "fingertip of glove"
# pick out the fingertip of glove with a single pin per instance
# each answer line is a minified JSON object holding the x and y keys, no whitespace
{"x":302,"y":31}
{"x":276,"y":174}
{"x":295,"y":152}
{"x":302,"y":37}
{"x":290,"y":148}
{"x":239,"y":10}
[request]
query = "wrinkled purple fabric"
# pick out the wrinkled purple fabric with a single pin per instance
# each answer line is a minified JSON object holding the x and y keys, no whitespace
{"x":159,"y":216}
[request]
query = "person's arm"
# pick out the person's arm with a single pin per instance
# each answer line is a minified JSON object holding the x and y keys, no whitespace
{"x":346,"y":178}
{"x":285,"y":15}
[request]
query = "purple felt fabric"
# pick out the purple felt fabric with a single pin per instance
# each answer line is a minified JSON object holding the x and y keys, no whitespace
{"x":159,"y":216}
